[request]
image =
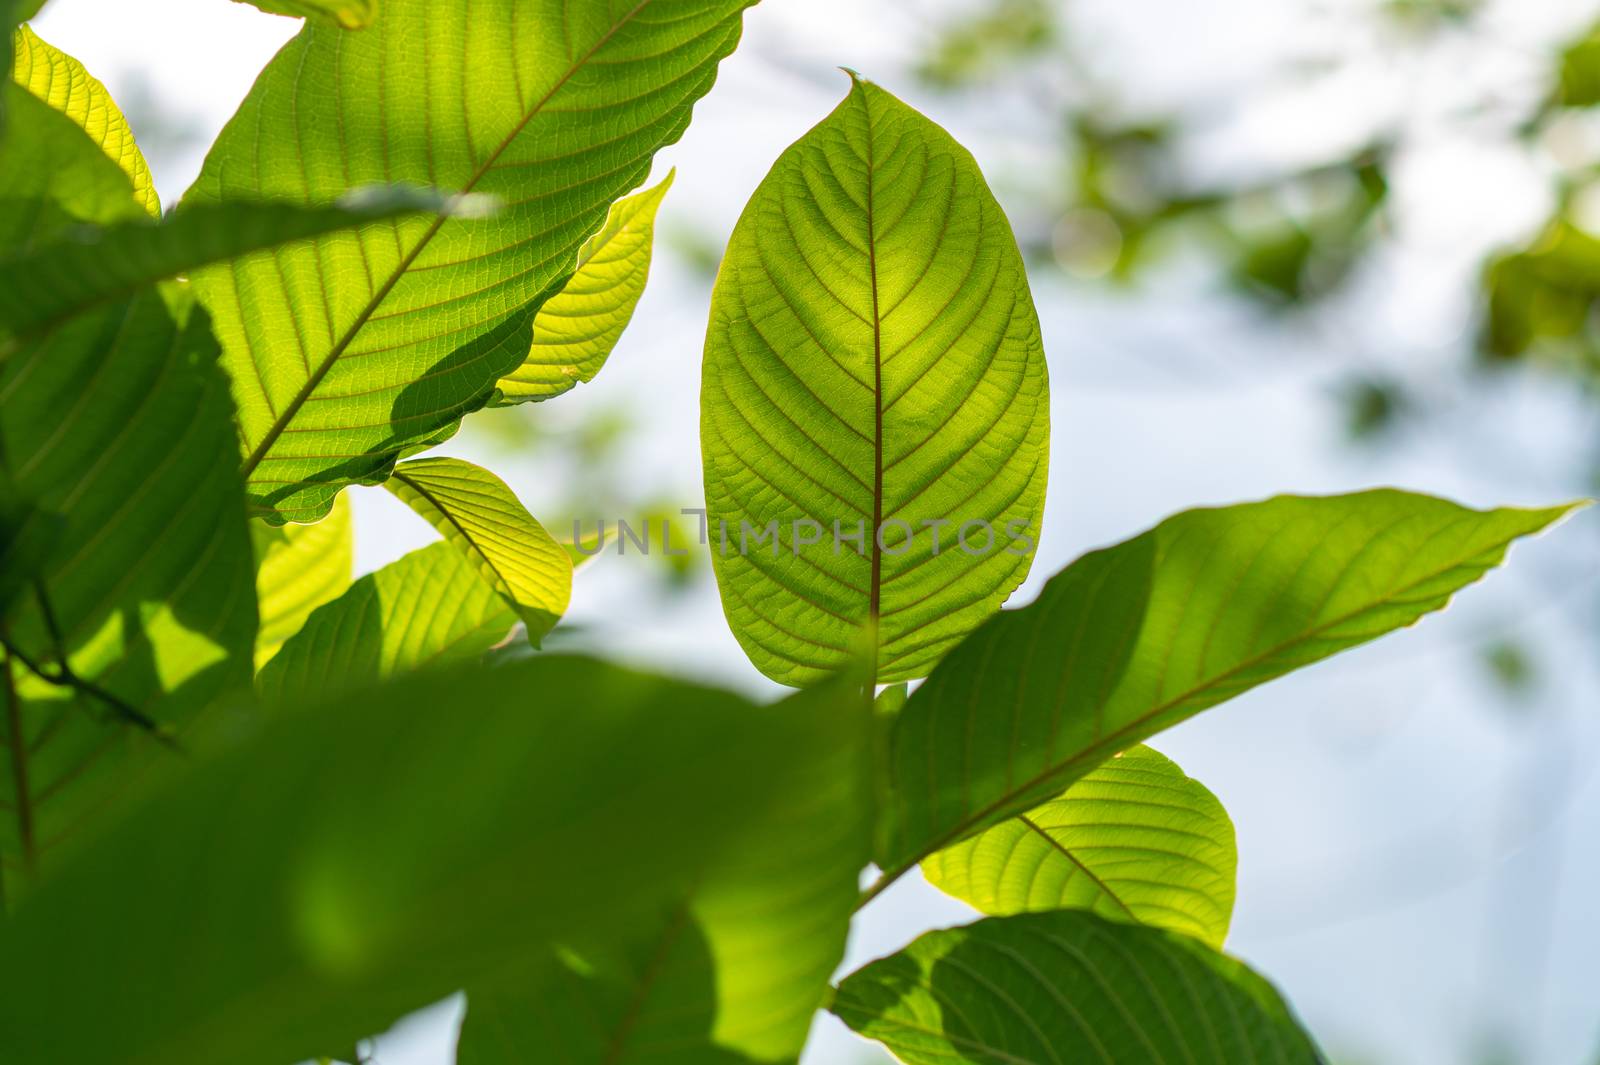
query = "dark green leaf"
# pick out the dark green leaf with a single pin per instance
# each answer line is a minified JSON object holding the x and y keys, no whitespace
{"x":732,"y":973}
{"x":1068,"y":987}
{"x":89,"y":266}
{"x":120,"y":424}
{"x":374,"y":853}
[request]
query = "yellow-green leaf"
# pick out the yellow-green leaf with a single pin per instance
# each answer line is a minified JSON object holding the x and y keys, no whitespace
{"x":63,"y":83}
{"x":873,"y":370}
{"x":426,"y":609}
{"x":476,"y":513}
{"x":576,"y":329}
{"x":1135,"y":840}
{"x":298,"y":568}
{"x":352,"y":351}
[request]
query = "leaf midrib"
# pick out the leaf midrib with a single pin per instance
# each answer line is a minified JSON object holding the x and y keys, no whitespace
{"x":1066,"y":852}
{"x":875,"y":583}
{"x":306,"y":390}
{"x":505,"y":590}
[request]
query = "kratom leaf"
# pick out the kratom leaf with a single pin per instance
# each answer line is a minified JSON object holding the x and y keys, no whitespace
{"x":1067,"y":987}
{"x":346,"y":14}
{"x":12,"y":14}
{"x":52,"y":176}
{"x":478,"y":515}
{"x":576,"y":329}
{"x":873,"y":361}
{"x":119,"y":427}
{"x":298,"y":568}
{"x":89,"y":266}
{"x":428,"y":608}
{"x":1134,"y":638}
{"x":27,"y":536}
{"x":1135,"y":840}
{"x":117,"y":431}
{"x":352,"y":351}
{"x":63,"y":83}
{"x":371,"y":854}
{"x":732,"y":973}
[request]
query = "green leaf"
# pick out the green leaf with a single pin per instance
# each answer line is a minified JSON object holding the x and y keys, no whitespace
{"x":27,"y":536}
{"x":733,"y":973}
{"x":1134,"y":638}
{"x":1051,"y":988}
{"x":119,"y":424}
{"x":353,"y":350}
{"x":428,"y":608}
{"x":63,"y":83}
{"x":476,"y":513}
{"x":298,"y":568}
{"x":371,"y":854}
{"x":52,"y":175}
{"x":873,"y":362}
{"x":1135,"y":840}
{"x":86,"y":267}
{"x":577,"y":327}
{"x":346,"y":14}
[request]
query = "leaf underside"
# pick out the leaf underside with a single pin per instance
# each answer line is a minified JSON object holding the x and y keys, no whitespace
{"x":478,"y":515}
{"x":352,"y":350}
{"x":298,"y":568}
{"x":428,"y":608}
{"x":1053,"y":988}
{"x":576,"y":328}
{"x":1134,"y":638}
{"x":1135,"y":840}
{"x":873,"y":360}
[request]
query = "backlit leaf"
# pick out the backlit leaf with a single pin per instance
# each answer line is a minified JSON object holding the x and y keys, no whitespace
{"x":52,"y":176}
{"x":734,"y":972}
{"x":347,"y":14}
{"x":298,"y":568}
{"x":873,"y":362}
{"x":370,"y":854}
{"x":352,"y":350}
{"x":477,"y":514}
{"x":577,"y":327}
{"x":88,"y":266}
{"x":1068,"y":987}
{"x":428,"y":608}
{"x":1134,"y":638}
{"x":119,"y":427}
{"x":1134,"y":840}
{"x":116,"y":433}
{"x":63,"y":83}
